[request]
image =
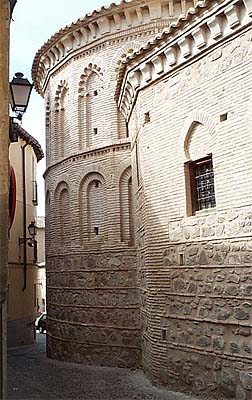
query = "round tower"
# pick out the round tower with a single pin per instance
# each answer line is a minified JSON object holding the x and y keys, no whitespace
{"x":93,"y":301}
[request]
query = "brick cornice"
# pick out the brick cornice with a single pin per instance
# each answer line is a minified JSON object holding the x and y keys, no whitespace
{"x":119,"y":145}
{"x":105,"y":24}
{"x":200,"y":30}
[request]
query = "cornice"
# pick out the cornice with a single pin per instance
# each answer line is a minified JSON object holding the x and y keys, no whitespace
{"x":96,"y":46}
{"x":116,"y":146}
{"x":201,"y":29}
{"x":103,"y":23}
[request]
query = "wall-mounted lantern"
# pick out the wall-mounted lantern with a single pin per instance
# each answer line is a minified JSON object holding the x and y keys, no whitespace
{"x":20,"y":92}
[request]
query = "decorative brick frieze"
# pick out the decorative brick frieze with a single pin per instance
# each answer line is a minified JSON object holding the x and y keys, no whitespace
{"x":180,"y":47}
{"x":123,"y":19}
{"x":233,"y":223}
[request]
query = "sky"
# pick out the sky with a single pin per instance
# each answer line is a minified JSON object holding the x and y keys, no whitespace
{"x":33,"y":23}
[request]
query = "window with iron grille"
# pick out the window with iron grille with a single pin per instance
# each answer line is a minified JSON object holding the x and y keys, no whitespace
{"x":202,"y":184}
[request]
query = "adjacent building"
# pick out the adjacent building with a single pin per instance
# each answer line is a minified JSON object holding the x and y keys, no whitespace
{"x":22,"y":260}
{"x":148,"y":204}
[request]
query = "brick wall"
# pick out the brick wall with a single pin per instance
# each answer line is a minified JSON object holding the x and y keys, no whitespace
{"x":195,"y":271}
{"x":92,"y":290}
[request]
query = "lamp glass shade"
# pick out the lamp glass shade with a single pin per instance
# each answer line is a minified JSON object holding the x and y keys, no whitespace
{"x":32,"y":228}
{"x":20,"y":91}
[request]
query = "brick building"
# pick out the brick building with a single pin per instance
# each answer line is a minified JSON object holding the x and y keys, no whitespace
{"x":149,"y":222}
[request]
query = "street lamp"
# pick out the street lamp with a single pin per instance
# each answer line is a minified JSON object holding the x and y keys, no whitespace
{"x":32,"y":229}
{"x":20,"y":91}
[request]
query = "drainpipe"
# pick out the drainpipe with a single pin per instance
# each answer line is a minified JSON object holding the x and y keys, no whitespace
{"x":24,"y":215}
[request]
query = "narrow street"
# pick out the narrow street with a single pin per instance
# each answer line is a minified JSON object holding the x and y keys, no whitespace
{"x":32,"y":376}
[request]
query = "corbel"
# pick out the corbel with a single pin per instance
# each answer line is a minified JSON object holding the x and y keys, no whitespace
{"x":139,"y":13}
{"x":248,"y":6}
{"x":185,"y":46}
{"x":93,"y":30}
{"x":84,"y":33}
{"x":146,"y":72}
{"x":171,"y":56}
{"x":117,"y":20}
{"x":199,"y":35}
{"x":216,"y":26}
{"x":128,"y":17}
{"x":158,"y":64}
{"x":232,"y":14}
{"x":68,"y":43}
{"x":104,"y":25}
{"x":134,"y":79}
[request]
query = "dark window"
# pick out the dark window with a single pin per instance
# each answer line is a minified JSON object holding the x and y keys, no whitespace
{"x":147,"y":117}
{"x":95,"y":131}
{"x":34,"y":193}
{"x":202,"y":184}
{"x":223,"y":117}
{"x":96,"y":230}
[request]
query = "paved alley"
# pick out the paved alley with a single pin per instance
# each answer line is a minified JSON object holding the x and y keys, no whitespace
{"x":31,"y":376}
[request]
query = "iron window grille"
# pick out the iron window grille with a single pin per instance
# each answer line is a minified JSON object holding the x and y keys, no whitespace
{"x":202,"y":184}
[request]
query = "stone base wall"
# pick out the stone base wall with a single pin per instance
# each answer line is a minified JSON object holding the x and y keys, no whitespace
{"x":93,"y":354}
{"x":93,"y":309}
{"x":197,"y":332}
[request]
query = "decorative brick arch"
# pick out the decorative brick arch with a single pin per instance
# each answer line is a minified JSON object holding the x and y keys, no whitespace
{"x":48,"y":231}
{"x":85,"y":99}
{"x":48,"y":126}
{"x":62,"y":207}
{"x":114,"y":66}
{"x":93,"y":208}
{"x":88,"y":71}
{"x":123,"y":166}
{"x":119,"y":56}
{"x":60,"y":94}
{"x":195,"y":118}
{"x":93,"y":169}
{"x":126,"y":207}
{"x":56,"y":183}
{"x":60,"y":135}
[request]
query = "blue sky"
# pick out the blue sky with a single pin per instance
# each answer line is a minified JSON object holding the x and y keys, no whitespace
{"x":34,"y":22}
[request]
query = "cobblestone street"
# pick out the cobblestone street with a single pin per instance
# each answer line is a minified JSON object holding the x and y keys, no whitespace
{"x":32,"y":376}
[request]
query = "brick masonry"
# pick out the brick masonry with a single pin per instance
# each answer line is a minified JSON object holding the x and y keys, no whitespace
{"x":195,"y":270}
{"x":93,"y":297}
{"x":133,"y":277}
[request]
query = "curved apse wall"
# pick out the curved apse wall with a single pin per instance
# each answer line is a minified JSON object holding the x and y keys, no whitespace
{"x":92,"y":294}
